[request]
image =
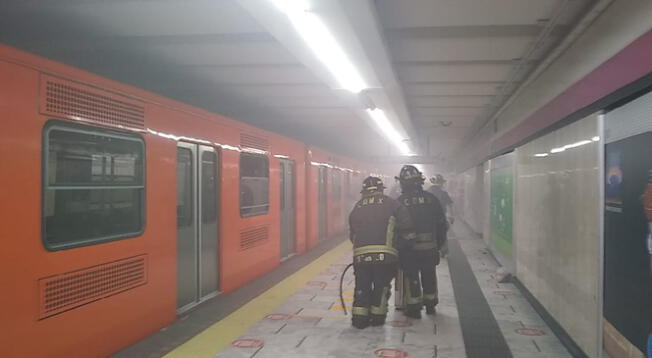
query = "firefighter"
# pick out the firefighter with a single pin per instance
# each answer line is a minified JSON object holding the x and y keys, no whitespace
{"x":419,"y":259}
{"x":438,"y":190}
{"x":446,"y":202}
{"x":375,"y":223}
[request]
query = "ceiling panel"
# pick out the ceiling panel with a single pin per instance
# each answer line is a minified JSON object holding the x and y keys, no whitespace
{"x":457,"y":121}
{"x":440,"y":131}
{"x":462,"y":101}
{"x":448,"y":111}
{"x":451,"y":88}
{"x":453,"y":73}
{"x":459,"y":49}
{"x":420,"y":13}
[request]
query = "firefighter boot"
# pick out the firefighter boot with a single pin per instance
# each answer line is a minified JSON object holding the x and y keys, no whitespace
{"x":430,"y":306}
{"x":360,"y":322}
{"x":377,"y":320}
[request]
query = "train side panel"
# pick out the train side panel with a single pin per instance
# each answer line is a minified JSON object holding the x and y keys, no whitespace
{"x":124,"y":316}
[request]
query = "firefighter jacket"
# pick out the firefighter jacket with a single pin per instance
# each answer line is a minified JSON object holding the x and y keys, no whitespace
{"x":377,"y":222}
{"x":428,"y":218}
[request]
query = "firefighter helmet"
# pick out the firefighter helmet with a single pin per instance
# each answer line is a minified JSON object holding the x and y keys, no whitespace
{"x":371,"y":184}
{"x":409,"y":173}
{"x":438,"y":180}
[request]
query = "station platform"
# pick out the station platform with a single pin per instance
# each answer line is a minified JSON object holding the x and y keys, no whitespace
{"x":295,"y":312}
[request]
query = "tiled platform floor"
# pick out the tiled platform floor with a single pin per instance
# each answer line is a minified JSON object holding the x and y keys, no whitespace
{"x":312,"y":324}
{"x":526,"y":333}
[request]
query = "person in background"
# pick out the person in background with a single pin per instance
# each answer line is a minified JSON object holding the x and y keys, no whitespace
{"x":418,"y":259}
{"x":376,"y":223}
{"x":437,"y":189}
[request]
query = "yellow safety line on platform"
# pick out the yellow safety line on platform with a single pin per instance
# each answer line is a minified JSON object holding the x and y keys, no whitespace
{"x":220,"y":335}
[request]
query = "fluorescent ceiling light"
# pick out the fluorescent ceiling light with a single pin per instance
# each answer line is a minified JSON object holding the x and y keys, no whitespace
{"x":322,"y":43}
{"x":577,"y":144}
{"x":595,"y":139}
{"x":557,"y":150}
{"x":540,"y":155}
{"x":379,"y":117}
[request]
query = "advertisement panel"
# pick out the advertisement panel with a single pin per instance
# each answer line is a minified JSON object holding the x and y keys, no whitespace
{"x":628,"y":238}
{"x":502,"y":192}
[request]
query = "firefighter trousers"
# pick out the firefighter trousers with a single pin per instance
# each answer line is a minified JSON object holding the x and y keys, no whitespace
{"x":420,"y":278}
{"x":372,"y":286}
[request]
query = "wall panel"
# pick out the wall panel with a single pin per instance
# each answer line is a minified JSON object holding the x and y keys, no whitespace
{"x":467,"y":191}
{"x":557,"y":227}
{"x":501,"y":208}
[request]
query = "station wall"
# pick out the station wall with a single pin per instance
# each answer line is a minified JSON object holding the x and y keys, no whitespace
{"x":557,"y":227}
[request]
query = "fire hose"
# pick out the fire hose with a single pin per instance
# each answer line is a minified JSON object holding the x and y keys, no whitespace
{"x":341,"y":283}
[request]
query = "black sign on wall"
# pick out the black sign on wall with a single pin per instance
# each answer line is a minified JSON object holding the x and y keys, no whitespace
{"x":627,"y":238}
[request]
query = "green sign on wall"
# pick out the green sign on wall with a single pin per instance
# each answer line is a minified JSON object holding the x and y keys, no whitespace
{"x":502,"y":184}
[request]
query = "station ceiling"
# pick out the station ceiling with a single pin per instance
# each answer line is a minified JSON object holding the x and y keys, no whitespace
{"x":440,"y":68}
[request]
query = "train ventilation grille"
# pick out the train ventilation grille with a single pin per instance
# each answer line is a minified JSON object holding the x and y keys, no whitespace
{"x":253,"y":237}
{"x":69,"y":100}
{"x":70,"y":290}
{"x":254,"y":142}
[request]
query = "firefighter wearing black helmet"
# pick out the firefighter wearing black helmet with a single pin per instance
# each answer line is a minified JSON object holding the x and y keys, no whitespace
{"x":419,"y":258}
{"x":377,"y":222}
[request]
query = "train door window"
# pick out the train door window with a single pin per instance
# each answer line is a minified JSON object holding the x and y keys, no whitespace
{"x":288,"y":214}
{"x":184,"y":187}
{"x":209,"y":187}
{"x":282,"y":182}
{"x":254,"y":184}
{"x":94,"y":186}
{"x":322,"y":205}
{"x":208,"y":229}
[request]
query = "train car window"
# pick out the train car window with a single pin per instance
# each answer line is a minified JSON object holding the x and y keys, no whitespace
{"x":185,"y":180}
{"x":254,"y":184}
{"x":93,"y":186}
{"x":209,"y":187}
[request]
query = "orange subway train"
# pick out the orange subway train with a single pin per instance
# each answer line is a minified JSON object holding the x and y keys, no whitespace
{"x":122,"y":209}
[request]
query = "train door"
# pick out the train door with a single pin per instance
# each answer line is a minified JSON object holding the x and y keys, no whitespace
{"x":287,"y":208}
{"x":197,"y":224}
{"x":322,"y":199}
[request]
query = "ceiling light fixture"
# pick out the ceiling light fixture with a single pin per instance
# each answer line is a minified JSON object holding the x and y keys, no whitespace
{"x":379,"y":117}
{"x":322,"y":43}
